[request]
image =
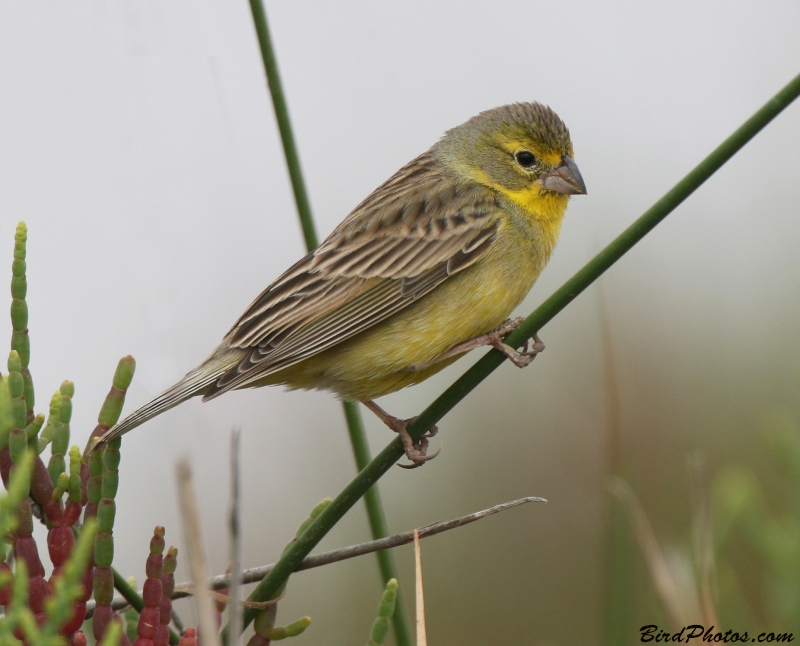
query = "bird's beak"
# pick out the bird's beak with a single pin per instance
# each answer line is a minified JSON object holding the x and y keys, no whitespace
{"x":566,"y":179}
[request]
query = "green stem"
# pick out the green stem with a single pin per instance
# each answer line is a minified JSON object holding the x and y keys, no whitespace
{"x":618,"y":546}
{"x":619,"y":591}
{"x":377,"y":520}
{"x":489,"y":362}
{"x":133,"y":598}
{"x":375,"y":513}
{"x":284,"y":124}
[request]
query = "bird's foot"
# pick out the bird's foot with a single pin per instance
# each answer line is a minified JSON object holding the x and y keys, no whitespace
{"x":496,"y":339}
{"x":416,"y":450}
{"x":519,"y":359}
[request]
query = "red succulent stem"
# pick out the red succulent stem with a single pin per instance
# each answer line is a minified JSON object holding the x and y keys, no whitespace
{"x":167,"y":588}
{"x":152,"y":594}
{"x":61,"y":542}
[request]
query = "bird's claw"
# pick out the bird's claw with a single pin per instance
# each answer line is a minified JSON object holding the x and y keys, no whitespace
{"x":416,"y":450}
{"x":519,"y":359}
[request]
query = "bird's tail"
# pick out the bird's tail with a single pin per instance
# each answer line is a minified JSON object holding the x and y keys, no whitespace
{"x":194,"y":383}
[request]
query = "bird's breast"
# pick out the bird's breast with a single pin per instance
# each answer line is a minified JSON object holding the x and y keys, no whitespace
{"x":466,"y":305}
{"x":388,"y":356}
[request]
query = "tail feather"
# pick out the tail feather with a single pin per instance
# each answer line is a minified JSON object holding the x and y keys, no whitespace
{"x":194,"y":383}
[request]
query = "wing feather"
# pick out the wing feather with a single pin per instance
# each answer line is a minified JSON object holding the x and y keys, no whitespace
{"x":404,"y":240}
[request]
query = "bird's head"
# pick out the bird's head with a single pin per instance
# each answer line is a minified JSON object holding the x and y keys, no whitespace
{"x":523,"y":151}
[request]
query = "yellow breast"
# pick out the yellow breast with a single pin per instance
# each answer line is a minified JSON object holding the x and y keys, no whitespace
{"x":386,"y":357}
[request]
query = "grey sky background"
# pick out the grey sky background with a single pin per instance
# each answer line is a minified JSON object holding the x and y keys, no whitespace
{"x":138,"y":142}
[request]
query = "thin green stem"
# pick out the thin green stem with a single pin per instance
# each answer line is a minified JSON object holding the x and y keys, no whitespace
{"x":618,"y":546}
{"x":488,"y":363}
{"x":377,"y":520}
{"x":358,"y":439}
{"x":284,"y":124}
{"x":128,"y":592}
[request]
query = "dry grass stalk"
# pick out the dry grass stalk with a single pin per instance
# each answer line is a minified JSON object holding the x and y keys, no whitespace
{"x":422,"y":638}
{"x":196,"y":555}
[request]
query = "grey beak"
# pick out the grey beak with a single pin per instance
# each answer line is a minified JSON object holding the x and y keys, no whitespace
{"x":566,"y":179}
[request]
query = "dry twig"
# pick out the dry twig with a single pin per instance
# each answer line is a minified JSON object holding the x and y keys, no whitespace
{"x":196,"y":555}
{"x":422,"y":636}
{"x":325,"y":558}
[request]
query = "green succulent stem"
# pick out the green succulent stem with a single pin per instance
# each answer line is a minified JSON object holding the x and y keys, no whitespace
{"x":16,"y":391}
{"x":112,"y":406}
{"x":20,"y":341}
{"x":75,"y":474}
{"x":61,"y":486}
{"x":380,"y":626}
{"x":292,"y":630}
{"x":53,"y":420}
{"x":93,"y":488}
{"x":60,"y":439}
{"x":532,"y":324}
{"x":358,"y":439}
{"x":107,"y":508}
{"x":32,"y":431}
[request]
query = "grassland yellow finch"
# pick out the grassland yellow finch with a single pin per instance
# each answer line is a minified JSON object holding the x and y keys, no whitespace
{"x":425,"y":269}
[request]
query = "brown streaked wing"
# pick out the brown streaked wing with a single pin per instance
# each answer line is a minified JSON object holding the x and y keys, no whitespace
{"x":296,"y":310}
{"x":395,"y":247}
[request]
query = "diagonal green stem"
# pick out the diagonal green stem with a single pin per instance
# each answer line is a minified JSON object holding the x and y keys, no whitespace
{"x":544,"y":313}
{"x":355,"y":426}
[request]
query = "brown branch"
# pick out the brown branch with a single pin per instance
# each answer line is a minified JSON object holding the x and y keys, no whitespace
{"x":325,"y":558}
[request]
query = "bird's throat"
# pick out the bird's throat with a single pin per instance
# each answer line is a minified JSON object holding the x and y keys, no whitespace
{"x":541,"y":206}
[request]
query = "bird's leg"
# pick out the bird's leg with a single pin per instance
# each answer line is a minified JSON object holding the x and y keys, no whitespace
{"x":416,"y":450}
{"x":495,"y":338}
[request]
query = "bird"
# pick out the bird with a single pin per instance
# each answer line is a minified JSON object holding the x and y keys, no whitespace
{"x":428,"y":267}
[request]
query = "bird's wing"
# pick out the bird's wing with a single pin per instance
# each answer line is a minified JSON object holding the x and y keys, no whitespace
{"x":395,"y":247}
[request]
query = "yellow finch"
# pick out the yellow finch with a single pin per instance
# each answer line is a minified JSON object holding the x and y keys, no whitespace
{"x":425,"y":269}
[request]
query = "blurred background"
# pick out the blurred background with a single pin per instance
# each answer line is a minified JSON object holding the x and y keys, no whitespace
{"x":138,"y":142}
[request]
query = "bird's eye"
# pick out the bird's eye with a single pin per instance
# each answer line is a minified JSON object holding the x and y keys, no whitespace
{"x":525,"y":159}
